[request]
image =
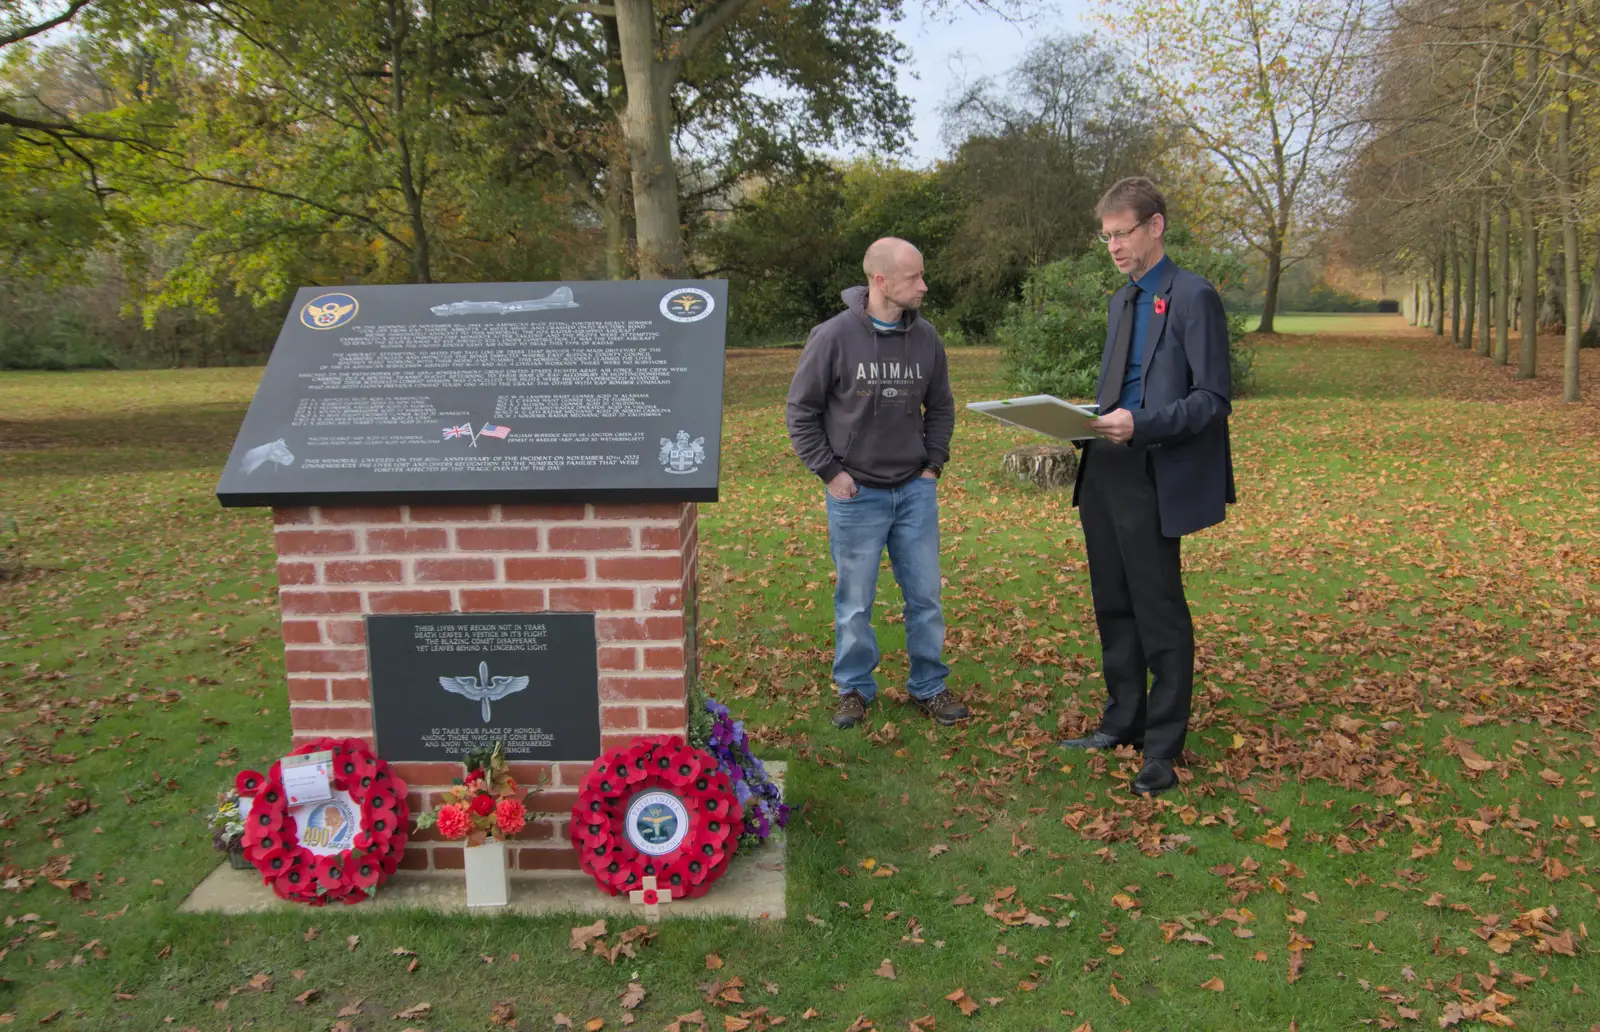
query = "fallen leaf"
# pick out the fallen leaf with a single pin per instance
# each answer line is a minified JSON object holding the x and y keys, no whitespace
{"x":632,"y":996}
{"x":594,"y":1025}
{"x":967,"y":1005}
{"x":1118,"y":996}
{"x":352,"y":941}
{"x":503,"y":1014}
{"x":582,"y":936}
{"x":713,"y":962}
{"x":562,"y":1021}
{"x":810,"y":1012}
{"x":962,"y":900}
{"x":307,"y":996}
{"x":350,"y":1010}
{"x":1213,"y":983}
{"x":885,"y":970}
{"x":419,"y":1010}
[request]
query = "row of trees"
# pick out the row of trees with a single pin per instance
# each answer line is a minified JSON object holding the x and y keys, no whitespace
{"x":1477,"y":187}
{"x":210,"y":148}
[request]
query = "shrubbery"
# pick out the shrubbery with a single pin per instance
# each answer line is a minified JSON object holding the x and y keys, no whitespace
{"x":1052,"y":339}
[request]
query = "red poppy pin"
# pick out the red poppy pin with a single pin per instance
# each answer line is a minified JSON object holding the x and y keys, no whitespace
{"x":1161,"y":306}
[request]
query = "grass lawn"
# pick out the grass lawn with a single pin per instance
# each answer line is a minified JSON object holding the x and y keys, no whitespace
{"x":1335,"y":323}
{"x":1389,"y":817}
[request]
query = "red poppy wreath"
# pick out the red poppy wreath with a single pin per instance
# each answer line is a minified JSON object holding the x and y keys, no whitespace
{"x":341,"y":849}
{"x":656,"y":808}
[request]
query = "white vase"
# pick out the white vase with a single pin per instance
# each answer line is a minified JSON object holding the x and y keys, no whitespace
{"x":488,"y":877}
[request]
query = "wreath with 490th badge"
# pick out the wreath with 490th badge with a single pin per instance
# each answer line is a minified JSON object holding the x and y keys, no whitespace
{"x":340,"y":849}
{"x":656,"y":808}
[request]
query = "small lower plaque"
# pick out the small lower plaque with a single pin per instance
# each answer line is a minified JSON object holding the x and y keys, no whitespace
{"x":444,"y":685}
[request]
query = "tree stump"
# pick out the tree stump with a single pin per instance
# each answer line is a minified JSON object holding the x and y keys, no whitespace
{"x":1045,"y":465}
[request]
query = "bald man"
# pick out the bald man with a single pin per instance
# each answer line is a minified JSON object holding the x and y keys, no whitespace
{"x":870,"y":413}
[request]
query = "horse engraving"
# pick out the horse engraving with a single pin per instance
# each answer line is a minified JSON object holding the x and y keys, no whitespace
{"x":274,"y":451}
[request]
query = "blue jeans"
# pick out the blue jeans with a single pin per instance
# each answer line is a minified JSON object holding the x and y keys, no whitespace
{"x":906,"y":520}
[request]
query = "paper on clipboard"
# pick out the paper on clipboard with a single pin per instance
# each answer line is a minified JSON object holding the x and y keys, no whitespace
{"x":1045,"y":414}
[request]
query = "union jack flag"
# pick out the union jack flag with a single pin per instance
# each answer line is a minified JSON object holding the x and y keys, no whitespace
{"x":464,"y":430}
{"x":490,"y":430}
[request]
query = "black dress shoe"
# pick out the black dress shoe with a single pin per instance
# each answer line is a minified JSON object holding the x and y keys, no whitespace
{"x":1098,"y":740}
{"x":1156,"y":777}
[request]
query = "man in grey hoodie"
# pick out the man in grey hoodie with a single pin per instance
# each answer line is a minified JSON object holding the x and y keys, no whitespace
{"x":870,"y":413}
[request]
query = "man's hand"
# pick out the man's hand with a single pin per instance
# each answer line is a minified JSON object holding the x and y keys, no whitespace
{"x":929,"y":474}
{"x":842,"y":486}
{"x":1116,"y":425}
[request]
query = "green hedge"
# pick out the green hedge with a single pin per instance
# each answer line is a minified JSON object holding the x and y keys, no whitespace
{"x":1052,"y":339}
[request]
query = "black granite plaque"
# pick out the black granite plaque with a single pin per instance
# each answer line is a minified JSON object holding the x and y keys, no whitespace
{"x":590,"y":391}
{"x":444,"y":685}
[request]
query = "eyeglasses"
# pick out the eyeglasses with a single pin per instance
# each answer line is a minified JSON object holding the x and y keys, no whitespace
{"x":1123,"y":234}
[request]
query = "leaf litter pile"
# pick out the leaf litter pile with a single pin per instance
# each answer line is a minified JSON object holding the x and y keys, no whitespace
{"x":1388,"y":815}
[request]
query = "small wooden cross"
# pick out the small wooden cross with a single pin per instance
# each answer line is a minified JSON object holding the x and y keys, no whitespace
{"x":651,"y":898}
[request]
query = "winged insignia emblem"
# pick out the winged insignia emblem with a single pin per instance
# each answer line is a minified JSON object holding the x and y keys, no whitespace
{"x":483,"y":688}
{"x":655,"y":821}
{"x":330,"y":313}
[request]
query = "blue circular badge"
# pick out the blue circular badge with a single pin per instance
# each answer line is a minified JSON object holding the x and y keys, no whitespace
{"x":329,"y":311}
{"x":656,"y":822}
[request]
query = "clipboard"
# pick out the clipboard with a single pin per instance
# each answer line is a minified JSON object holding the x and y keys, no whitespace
{"x":1044,"y":414}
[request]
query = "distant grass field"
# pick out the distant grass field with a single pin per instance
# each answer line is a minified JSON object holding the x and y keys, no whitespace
{"x":1388,"y":820}
{"x":1335,"y":323}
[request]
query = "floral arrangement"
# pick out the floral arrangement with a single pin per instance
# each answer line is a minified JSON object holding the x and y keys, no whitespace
{"x":227,"y":827}
{"x":487,"y":804}
{"x":759,"y":797}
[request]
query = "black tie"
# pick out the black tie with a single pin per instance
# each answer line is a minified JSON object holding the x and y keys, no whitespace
{"x":1117,"y":371}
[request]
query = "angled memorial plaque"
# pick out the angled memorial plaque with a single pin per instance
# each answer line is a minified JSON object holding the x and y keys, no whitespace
{"x":606,"y":392}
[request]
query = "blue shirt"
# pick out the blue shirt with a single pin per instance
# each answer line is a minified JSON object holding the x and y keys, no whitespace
{"x":1133,"y":383}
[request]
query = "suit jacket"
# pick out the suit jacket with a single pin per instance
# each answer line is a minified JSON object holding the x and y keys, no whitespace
{"x":1187,"y":398}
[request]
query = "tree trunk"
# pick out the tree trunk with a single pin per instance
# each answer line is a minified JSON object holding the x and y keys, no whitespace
{"x":1455,"y":290}
{"x":619,"y":226}
{"x":617,"y":244}
{"x":1437,"y":300}
{"x":1591,"y":333}
{"x":1269,"y":304}
{"x":647,"y":124}
{"x":1569,"y":239}
{"x":1469,"y":318}
{"x":1528,"y":351}
{"x":1484,"y":310}
{"x":410,"y":188}
{"x":1502,"y":312}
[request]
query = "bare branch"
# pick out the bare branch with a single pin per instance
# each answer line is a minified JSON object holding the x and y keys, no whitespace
{"x":45,"y":26}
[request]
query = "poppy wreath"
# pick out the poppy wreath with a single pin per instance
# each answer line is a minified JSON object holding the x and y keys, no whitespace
{"x":711,"y":814}
{"x":272,"y":839}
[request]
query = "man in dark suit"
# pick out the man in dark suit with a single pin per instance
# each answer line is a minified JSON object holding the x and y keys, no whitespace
{"x":1162,"y":471}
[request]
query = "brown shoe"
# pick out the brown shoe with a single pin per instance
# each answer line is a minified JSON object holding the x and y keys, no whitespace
{"x":944,"y":708}
{"x":852,"y":709}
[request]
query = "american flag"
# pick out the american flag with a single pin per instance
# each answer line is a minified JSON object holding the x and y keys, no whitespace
{"x":465,"y":430}
{"x":490,"y":430}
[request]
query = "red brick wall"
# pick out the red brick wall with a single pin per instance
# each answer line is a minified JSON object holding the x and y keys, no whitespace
{"x":631,"y":565}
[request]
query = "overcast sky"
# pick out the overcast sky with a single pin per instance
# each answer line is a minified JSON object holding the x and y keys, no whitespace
{"x":949,"y":51}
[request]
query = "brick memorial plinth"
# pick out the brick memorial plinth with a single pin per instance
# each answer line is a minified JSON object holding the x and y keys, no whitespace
{"x":600,"y":406}
{"x":633,"y":566}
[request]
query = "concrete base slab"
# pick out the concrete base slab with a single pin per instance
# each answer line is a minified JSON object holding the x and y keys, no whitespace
{"x":752,"y":888}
